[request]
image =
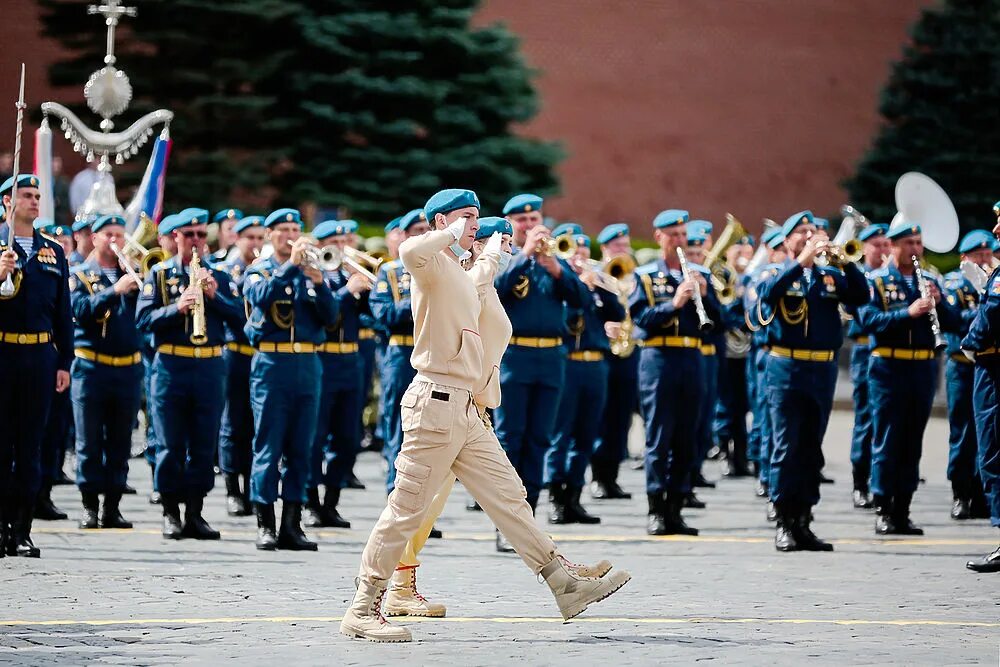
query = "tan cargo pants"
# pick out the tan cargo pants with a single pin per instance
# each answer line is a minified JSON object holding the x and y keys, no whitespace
{"x":443,"y":436}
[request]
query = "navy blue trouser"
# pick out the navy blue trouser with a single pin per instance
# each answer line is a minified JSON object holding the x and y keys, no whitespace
{"x":671,"y":391}
{"x":148,"y":354}
{"x":105,"y":401}
{"x":397,"y":374}
{"x":284,"y":395}
{"x":187,"y":397}
{"x":611,"y":447}
{"x":581,"y":408}
{"x":799,"y":397}
{"x":57,"y":433}
{"x":531,"y":380}
{"x":710,"y":364}
{"x":27,"y":385}
{"x":963,"y":448}
{"x":861,"y":436}
{"x":900,"y":394}
{"x":338,"y":428}
{"x":753,"y":435}
{"x":985,"y":393}
{"x":730,"y":421}
{"x":367,"y":350}
{"x":762,"y":414}
{"x":236,"y":434}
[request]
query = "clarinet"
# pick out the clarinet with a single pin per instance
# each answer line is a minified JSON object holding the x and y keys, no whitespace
{"x":925,"y":293}
{"x":703,"y":322}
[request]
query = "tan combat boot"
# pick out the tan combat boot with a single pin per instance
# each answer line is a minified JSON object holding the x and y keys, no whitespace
{"x":574,"y":593}
{"x":403,"y":599}
{"x":595,"y":571}
{"x":364,"y":620}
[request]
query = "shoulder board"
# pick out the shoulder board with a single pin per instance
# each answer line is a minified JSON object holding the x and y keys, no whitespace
{"x":393,"y":264}
{"x":47,"y":237}
{"x":652,"y":267}
{"x":699,"y":267}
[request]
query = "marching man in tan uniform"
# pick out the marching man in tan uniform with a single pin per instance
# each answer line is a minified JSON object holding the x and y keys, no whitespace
{"x":459,"y":339}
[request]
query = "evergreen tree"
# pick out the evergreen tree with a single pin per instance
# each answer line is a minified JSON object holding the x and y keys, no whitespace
{"x":940,"y":111}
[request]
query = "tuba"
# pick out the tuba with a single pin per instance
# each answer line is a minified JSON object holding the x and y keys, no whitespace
{"x":921,"y":201}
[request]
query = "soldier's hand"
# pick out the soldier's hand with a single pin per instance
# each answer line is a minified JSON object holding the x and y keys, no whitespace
{"x":62,"y":381}
{"x":813,"y":247}
{"x":534,"y":238}
{"x":313,"y":274}
{"x":684,"y":293}
{"x":188,"y":298}
{"x":358,"y":283}
{"x":612,"y":329}
{"x":700,"y":281}
{"x":125,"y":285}
{"x":921,"y":307}
{"x":8,"y":263}
{"x":934,"y":292}
{"x":298,"y":250}
{"x":209,"y":283}
{"x":589,"y":278}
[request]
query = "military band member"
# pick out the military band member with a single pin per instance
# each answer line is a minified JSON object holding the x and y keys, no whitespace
{"x":983,"y":344}
{"x":36,"y":348}
{"x":671,"y":371}
{"x":533,"y":291}
{"x":902,"y":376}
{"x":611,"y":446}
{"x":585,"y":388}
{"x":236,"y":435}
{"x":369,"y":338}
{"x":107,"y":374}
{"x":391,"y":306}
{"x":189,"y":375}
{"x":226,"y":219}
{"x":82,"y":241}
{"x":963,"y":469}
{"x":876,"y":248}
{"x":804,"y":336}
{"x":338,"y":430}
{"x":457,"y":352}
{"x":290,"y":305}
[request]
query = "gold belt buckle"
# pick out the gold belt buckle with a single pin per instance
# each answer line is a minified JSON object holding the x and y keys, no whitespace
{"x":22,"y":338}
{"x":296,"y":347}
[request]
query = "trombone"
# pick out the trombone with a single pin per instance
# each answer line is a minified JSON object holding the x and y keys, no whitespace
{"x":332,"y":258}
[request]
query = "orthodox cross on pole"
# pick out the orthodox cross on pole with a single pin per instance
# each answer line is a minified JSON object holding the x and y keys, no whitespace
{"x":112,"y":11}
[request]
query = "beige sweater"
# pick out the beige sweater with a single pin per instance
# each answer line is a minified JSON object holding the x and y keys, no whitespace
{"x":494,"y":328}
{"x":447,"y":347}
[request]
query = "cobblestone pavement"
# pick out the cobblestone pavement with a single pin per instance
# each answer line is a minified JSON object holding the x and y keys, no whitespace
{"x":129,"y":597}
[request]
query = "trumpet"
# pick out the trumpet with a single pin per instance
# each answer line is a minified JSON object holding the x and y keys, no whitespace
{"x":199,"y":325}
{"x":563,"y":246}
{"x":845,"y":248}
{"x":126,"y":264}
{"x":704,"y":322}
{"x":332,"y":258}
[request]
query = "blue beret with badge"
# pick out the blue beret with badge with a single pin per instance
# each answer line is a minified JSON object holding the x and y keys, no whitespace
{"x":873,"y":230}
{"x":170,"y":223}
{"x":703,"y":226}
{"x":491,"y":225}
{"x":450,"y":200}
{"x":413,"y":217}
{"x":328,"y":228}
{"x":612,"y":231}
{"x":567,"y":228}
{"x":746,"y":240}
{"x":23,"y":181}
{"x":977,"y":239}
{"x":523,"y":203}
{"x":193,"y":216}
{"x":283,"y":215}
{"x":903,"y":231}
{"x":46,"y":226}
{"x":248,"y":222}
{"x":670,"y":217}
{"x":822,"y":223}
{"x":582,"y":240}
{"x":793,"y":221}
{"x":773,"y":237}
{"x":80,"y":225}
{"x":392,"y":224}
{"x":105,"y":220}
{"x":696,"y":238}
{"x":228,"y":214}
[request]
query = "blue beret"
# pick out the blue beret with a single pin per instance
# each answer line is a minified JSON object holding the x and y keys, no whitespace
{"x":703,"y":226}
{"x":23,"y":181}
{"x":696,"y":237}
{"x":392,"y":224}
{"x":821,"y":223}
{"x":613,"y":231}
{"x":793,"y":221}
{"x":228,"y":214}
{"x":413,"y":217}
{"x":773,"y":237}
{"x":283,"y":215}
{"x":996,"y":208}
{"x":567,"y":227}
{"x":248,"y":222}
{"x":447,"y":201}
{"x":873,"y":230}
{"x":746,"y":240}
{"x":107,"y":220}
{"x":329,"y":228}
{"x":169,"y":223}
{"x":491,"y":224}
{"x":582,"y":240}
{"x":524,"y":203}
{"x":80,"y":225}
{"x":902,"y":231}
{"x":977,"y":239}
{"x":671,"y":217}
{"x":41,"y":223}
{"x":193,"y":216}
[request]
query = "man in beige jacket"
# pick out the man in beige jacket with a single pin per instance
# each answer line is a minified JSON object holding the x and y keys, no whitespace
{"x":445,"y":433}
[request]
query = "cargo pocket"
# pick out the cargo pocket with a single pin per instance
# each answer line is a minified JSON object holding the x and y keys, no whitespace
{"x":425,"y":417}
{"x":411,"y":480}
{"x":468,"y":363}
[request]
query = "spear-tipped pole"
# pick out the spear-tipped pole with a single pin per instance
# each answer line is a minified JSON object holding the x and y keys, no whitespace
{"x":8,"y":285}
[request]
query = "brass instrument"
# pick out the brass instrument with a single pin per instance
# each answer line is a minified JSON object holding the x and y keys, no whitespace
{"x":704,"y":322}
{"x":199,"y":325}
{"x":925,"y":293}
{"x":126,"y":264}
{"x":723,"y":281}
{"x":135,"y":250}
{"x":332,"y":258}
{"x":372,"y":260}
{"x":604,"y":279}
{"x":845,"y":248}
{"x":621,"y":270}
{"x":563,"y":246}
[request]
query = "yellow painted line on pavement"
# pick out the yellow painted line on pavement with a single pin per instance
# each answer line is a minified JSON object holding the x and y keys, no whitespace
{"x":361,"y":536}
{"x":697,"y":620}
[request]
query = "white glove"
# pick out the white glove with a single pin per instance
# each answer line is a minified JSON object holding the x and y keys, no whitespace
{"x":493,"y":245}
{"x":457,"y":228}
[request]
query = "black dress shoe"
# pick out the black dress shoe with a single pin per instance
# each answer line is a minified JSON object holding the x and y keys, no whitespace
{"x":656,"y":521}
{"x":698,"y":480}
{"x":267,"y":539}
{"x":988,"y":563}
{"x":761,"y":490}
{"x":155,"y":498}
{"x":736,"y":469}
{"x":804,"y":536}
{"x":330,"y":514}
{"x":91,"y":504}
{"x":575,"y":512}
{"x":784,"y":537}
{"x":862,"y":500}
{"x":823,"y":479}
{"x":600,"y":490}
{"x":129,"y":490}
{"x":354,"y":483}
{"x":884,"y":525}
{"x":557,"y":514}
{"x":772,"y":512}
{"x":961,"y":509}
{"x":311,"y":511}
{"x":978,"y":509}
{"x":111,"y":516}
{"x":435,"y":534}
{"x":503,"y":546}
{"x":195,"y":525}
{"x":674,"y":522}
{"x":691,"y":501}
{"x":290,"y":536}
{"x":903,"y":526}
{"x":46,"y":510}
{"x":172,"y":528}
{"x":21,"y":528}
{"x":473,"y":506}
{"x":236,"y":501}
